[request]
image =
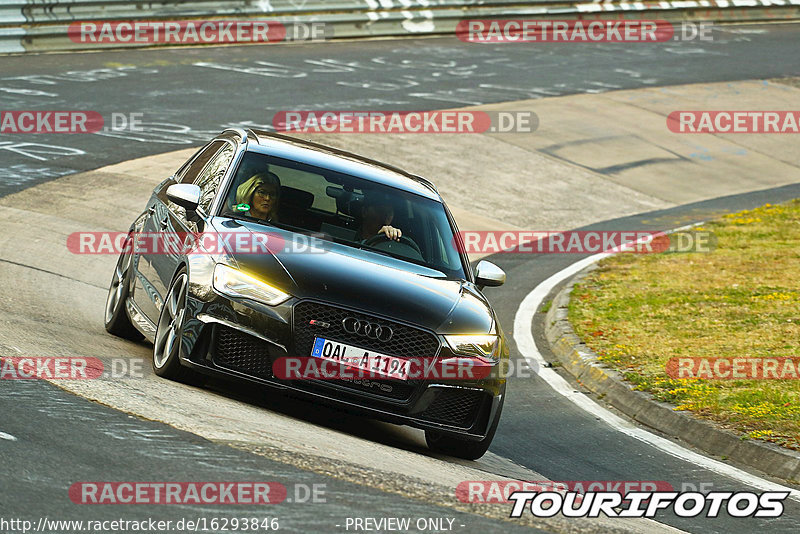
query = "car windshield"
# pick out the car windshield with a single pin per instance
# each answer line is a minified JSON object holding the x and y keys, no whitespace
{"x":342,"y":208}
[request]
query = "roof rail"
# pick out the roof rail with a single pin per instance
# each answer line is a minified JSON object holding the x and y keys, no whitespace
{"x":424,"y":181}
{"x":241,"y":132}
{"x":253,"y":134}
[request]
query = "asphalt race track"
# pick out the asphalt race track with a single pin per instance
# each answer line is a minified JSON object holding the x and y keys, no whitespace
{"x":54,"y":438}
{"x":172,"y":88}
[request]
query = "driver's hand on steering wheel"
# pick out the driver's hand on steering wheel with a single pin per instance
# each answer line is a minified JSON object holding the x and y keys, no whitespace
{"x":391,"y":232}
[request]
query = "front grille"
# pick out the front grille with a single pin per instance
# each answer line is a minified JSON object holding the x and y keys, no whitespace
{"x":242,"y":352}
{"x":454,"y":406}
{"x":406,"y":342}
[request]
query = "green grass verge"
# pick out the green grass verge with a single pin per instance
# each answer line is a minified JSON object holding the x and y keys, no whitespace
{"x":638,"y":311}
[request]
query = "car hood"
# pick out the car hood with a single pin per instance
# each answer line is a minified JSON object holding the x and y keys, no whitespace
{"x":364,"y":280}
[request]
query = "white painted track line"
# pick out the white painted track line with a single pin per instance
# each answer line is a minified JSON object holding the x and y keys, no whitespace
{"x":523,"y":336}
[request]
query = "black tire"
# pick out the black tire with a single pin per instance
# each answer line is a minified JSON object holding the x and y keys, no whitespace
{"x":462,"y":448}
{"x":116,"y":317}
{"x":169,"y":331}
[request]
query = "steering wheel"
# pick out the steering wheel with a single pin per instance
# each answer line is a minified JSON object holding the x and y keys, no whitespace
{"x":379,"y":238}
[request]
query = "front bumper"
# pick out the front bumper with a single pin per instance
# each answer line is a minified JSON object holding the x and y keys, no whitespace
{"x":241,"y":339}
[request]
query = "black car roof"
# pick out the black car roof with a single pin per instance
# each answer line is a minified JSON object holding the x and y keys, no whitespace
{"x":319,"y":155}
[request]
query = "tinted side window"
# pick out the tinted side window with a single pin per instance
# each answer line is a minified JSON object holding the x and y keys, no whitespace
{"x":209,"y":179}
{"x":180,"y":172}
{"x":188,"y":174}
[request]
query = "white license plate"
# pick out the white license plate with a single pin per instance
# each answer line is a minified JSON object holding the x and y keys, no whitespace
{"x":359,"y":358}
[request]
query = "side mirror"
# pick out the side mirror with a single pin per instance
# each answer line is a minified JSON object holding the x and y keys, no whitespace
{"x":487,"y":274}
{"x":186,"y":196}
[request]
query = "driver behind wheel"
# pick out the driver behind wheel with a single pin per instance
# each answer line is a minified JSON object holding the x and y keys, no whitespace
{"x":376,"y":217}
{"x":259,"y":196}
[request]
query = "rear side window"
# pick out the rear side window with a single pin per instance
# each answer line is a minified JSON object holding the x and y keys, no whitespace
{"x":212,"y":174}
{"x":188,"y":173}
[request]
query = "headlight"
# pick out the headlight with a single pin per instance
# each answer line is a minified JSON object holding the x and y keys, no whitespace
{"x":235,"y":283}
{"x":486,"y":346}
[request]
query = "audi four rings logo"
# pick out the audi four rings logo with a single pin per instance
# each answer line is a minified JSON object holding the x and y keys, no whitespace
{"x":363,"y":328}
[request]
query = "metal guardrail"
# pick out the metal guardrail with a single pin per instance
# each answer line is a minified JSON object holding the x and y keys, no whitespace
{"x":41,"y":25}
